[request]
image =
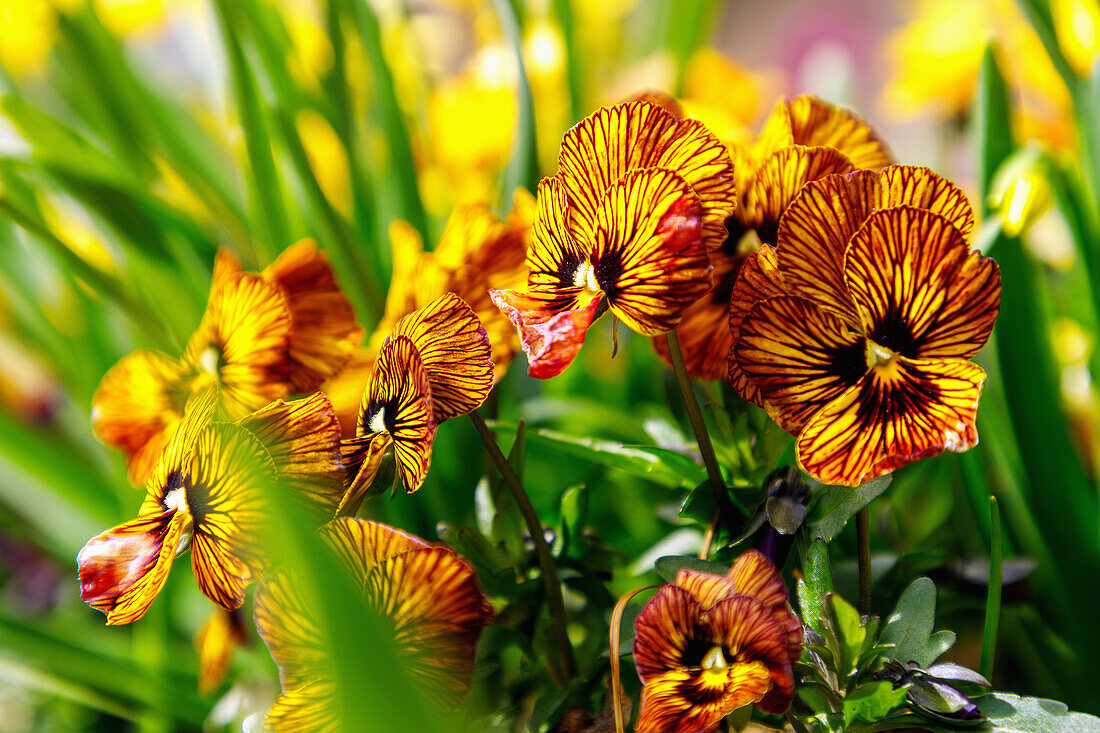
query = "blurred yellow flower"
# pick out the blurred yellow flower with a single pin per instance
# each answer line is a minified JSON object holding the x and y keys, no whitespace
{"x":1077,"y":25}
{"x":29,"y":28}
{"x":327,"y":159}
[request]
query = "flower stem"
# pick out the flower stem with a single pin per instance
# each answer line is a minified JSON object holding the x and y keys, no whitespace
{"x":993,"y":594}
{"x":863,"y":535}
{"x":702,"y":437}
{"x":542,"y":550}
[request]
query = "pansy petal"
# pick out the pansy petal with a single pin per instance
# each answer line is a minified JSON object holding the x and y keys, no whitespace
{"x":683,"y":701}
{"x":243,"y":340}
{"x":226,"y":481}
{"x":707,"y":588}
{"x":758,"y":280}
{"x":649,"y":258}
{"x":754,"y":574}
{"x":704,"y":332}
{"x":398,"y":401}
{"x":216,"y":640}
{"x":362,"y":459}
{"x":555,"y":253}
{"x":197,"y":416}
{"x":750,"y":631}
{"x":900,"y":413}
{"x":454,"y":349}
{"x":137,"y":405}
{"x":437,"y":610}
{"x":363,"y":545}
{"x":123,"y":569}
{"x":307,"y":709}
{"x":800,"y":357}
{"x":921,"y":292}
{"x":607,"y":145}
{"x":283,"y":621}
{"x":303,"y":440}
{"x":923,"y":188}
{"x":324,"y":333}
{"x":814,"y":233}
{"x":550,"y":335}
{"x":779,"y":180}
{"x":815,"y":122}
{"x":663,"y":630}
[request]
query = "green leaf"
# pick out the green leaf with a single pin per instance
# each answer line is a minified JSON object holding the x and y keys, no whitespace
{"x":574,"y":514}
{"x":909,"y":627}
{"x":1008,"y":713}
{"x":841,"y":503}
{"x":871,"y":702}
{"x":662,"y":466}
{"x":818,"y":582}
{"x":841,"y":626}
{"x":669,"y":565}
{"x":523,"y":166}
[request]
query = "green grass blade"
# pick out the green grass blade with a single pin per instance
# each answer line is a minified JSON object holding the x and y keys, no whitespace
{"x":523,"y":166}
{"x":993,"y":593}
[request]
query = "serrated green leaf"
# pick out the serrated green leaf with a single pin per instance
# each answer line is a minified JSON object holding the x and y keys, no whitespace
{"x":1008,"y":713}
{"x":871,"y":702}
{"x":818,"y":582}
{"x":909,"y":627}
{"x":841,"y":624}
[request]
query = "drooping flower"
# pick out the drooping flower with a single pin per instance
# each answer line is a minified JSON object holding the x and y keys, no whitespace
{"x":639,"y":200}
{"x":428,"y":594}
{"x":210,"y":490}
{"x":476,"y":251}
{"x":433,"y":366}
{"x":801,"y":141}
{"x":855,"y":332}
{"x":263,"y":337}
{"x":707,"y":645}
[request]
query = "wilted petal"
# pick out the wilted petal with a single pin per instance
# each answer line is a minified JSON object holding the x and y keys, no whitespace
{"x":550,"y":335}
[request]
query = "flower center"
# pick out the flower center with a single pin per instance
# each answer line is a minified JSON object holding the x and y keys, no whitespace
{"x":176,"y":499}
{"x":209,"y":359}
{"x":377,"y":422}
{"x":878,"y":356}
{"x":714,"y":659}
{"x":585,"y":277}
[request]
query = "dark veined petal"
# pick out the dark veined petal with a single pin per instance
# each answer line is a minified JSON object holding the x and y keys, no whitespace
{"x":437,"y":610}
{"x":921,"y":292}
{"x":307,"y":709}
{"x":610,"y":143}
{"x":754,"y":574}
{"x":137,"y":405}
{"x":324,"y":333}
{"x":455,"y":351}
{"x":663,"y":630}
{"x":243,"y":341}
{"x":683,"y":701}
{"x":758,"y":280}
{"x":285,"y":624}
{"x":550,"y":335}
{"x":815,"y":122}
{"x":814,"y":234}
{"x":556,"y":249}
{"x":123,"y":569}
{"x":197,"y":415}
{"x":779,"y":180}
{"x":362,"y":458}
{"x":649,"y":258}
{"x":225,"y":484}
{"x":899,"y":413}
{"x":398,"y":401}
{"x":706,"y":588}
{"x":923,"y":188}
{"x":216,"y":640}
{"x":704,"y":332}
{"x":302,"y":439}
{"x":800,"y":358}
{"x":749,"y":630}
{"x":363,"y":545}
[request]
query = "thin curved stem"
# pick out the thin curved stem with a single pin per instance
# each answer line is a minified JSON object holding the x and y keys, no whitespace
{"x":702,"y":437}
{"x":863,"y":533}
{"x":542,"y":550}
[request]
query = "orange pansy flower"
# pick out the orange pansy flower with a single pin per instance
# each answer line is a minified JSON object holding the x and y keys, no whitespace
{"x":639,"y":199}
{"x":209,"y":491}
{"x":434,"y":365}
{"x":854,"y":333}
{"x":801,"y":141}
{"x":707,"y":645}
{"x":263,"y":337}
{"x":427,"y":593}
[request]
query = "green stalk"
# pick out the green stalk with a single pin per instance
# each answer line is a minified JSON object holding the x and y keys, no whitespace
{"x":542,"y":550}
{"x":702,"y":437}
{"x":863,"y":533}
{"x":993,"y":594}
{"x":523,"y":165}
